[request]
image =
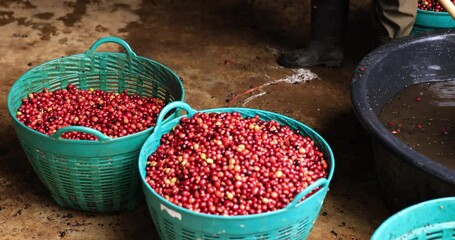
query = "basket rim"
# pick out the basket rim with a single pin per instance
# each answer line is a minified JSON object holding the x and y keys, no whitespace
{"x":433,"y":20}
{"x":421,"y":11}
{"x":142,"y":163}
{"x":413,"y":208}
{"x":25,"y":75}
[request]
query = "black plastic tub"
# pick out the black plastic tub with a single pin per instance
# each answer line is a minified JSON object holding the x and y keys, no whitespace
{"x":406,"y":176}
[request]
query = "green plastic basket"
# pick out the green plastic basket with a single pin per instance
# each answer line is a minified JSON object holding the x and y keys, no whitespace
{"x":429,"y":220}
{"x":431,"y":20}
{"x":87,"y":175}
{"x":293,"y":222}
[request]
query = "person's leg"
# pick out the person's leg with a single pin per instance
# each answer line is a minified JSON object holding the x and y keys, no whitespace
{"x":328,"y":24}
{"x":395,"y":18}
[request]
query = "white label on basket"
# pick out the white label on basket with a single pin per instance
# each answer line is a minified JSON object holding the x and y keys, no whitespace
{"x":171,"y":212}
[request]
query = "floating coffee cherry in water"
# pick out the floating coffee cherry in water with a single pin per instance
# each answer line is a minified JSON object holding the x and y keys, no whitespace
{"x":424,"y":118}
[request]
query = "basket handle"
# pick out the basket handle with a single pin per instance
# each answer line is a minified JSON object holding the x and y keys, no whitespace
{"x":322,"y":182}
{"x":91,"y":51}
{"x":171,"y":106}
{"x":101,"y":137}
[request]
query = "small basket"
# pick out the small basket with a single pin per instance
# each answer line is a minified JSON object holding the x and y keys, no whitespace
{"x":87,"y":175}
{"x":293,"y":222}
{"x":432,"y":219}
{"x":430,"y":20}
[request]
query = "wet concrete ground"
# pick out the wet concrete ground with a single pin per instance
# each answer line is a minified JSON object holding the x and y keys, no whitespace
{"x":221,"y":49}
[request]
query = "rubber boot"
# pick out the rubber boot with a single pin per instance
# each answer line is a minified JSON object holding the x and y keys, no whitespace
{"x":328,"y":23}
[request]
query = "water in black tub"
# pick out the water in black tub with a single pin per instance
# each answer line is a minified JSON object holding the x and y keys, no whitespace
{"x":423,"y":116}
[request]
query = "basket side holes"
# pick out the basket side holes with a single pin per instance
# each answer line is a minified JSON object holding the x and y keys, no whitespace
{"x":210,"y":237}
{"x":188,"y":235}
{"x":169,"y":229}
{"x":434,"y":235}
{"x":302,"y":228}
{"x":264,"y":236}
{"x":285,"y":233}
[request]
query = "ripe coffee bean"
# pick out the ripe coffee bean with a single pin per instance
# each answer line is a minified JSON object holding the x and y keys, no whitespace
{"x":225,"y":164}
{"x":113,"y":114}
{"x":431,"y":5}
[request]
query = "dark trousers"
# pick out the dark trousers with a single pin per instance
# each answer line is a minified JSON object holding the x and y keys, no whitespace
{"x":396,"y":17}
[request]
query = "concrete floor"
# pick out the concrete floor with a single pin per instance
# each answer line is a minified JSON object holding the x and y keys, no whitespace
{"x":221,"y":49}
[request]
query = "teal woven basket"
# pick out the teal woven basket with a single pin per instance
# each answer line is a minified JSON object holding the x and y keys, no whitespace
{"x":87,"y":175}
{"x":293,"y":222}
{"x":431,"y":20}
{"x":429,"y":220}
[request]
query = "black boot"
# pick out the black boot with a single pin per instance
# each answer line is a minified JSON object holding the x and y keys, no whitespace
{"x":328,"y":23}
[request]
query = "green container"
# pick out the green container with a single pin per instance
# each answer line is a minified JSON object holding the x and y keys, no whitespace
{"x":431,"y":20}
{"x":293,"y":222}
{"x":433,"y":219}
{"x":87,"y":175}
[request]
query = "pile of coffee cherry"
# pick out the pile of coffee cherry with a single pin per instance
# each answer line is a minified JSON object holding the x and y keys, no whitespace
{"x":225,"y":164}
{"x":113,"y":114}
{"x":431,"y":5}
